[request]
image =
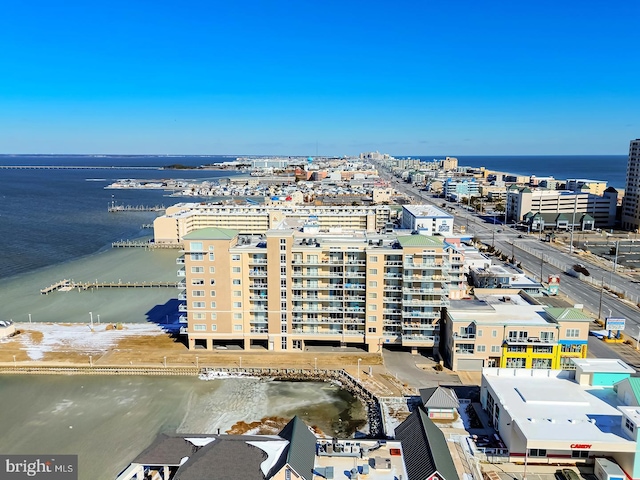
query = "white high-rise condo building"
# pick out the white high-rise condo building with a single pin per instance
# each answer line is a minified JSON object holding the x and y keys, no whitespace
{"x":631,"y":201}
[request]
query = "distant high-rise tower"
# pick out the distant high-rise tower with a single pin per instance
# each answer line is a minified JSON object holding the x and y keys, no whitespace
{"x":631,"y":201}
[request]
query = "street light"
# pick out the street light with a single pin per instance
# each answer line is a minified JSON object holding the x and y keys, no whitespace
{"x":359,"y":360}
{"x":315,"y":364}
{"x":91,"y":318}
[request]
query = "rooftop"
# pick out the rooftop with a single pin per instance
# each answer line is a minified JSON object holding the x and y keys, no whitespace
{"x":550,"y":405}
{"x":602,"y":365}
{"x":426,"y":211}
{"x":212,"y":234}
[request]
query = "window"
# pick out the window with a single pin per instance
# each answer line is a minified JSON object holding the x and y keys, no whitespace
{"x":373,"y":271}
{"x":197,"y":281}
{"x":481,"y":348}
{"x":494,"y":333}
{"x":479,"y":333}
{"x":214,"y":316}
{"x":212,"y":281}
{"x":235,"y":269}
{"x":199,"y":316}
{"x":235,"y":258}
{"x":373,"y":259}
{"x":197,"y":257}
{"x":579,"y":453}
{"x":195,"y":247}
{"x":211,"y":248}
{"x":495,"y":348}
{"x":197,"y":269}
{"x":373,"y":283}
{"x":212,"y":270}
{"x":373,"y":307}
{"x":537,"y":452}
{"x":212,"y":257}
{"x":573,"y":333}
{"x":198,"y":304}
{"x":237,"y":328}
{"x":213,"y":305}
{"x":373,"y":295}
{"x":283,"y":328}
{"x":237,"y":316}
{"x":629,"y":424}
{"x":198,"y":327}
{"x":237,"y":304}
{"x":283,"y":241}
{"x":372,"y":329}
{"x":237,"y":293}
{"x":212,"y":293}
{"x":198,"y":293}
{"x":214,"y":328}
{"x":373,"y":318}
{"x":284,"y":347}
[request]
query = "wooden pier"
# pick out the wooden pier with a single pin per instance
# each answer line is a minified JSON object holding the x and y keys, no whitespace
{"x":139,"y":244}
{"x":67,"y":285}
{"x":136,"y":208}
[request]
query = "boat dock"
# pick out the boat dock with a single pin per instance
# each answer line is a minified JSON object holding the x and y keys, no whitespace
{"x":67,"y":285}
{"x":136,"y":208}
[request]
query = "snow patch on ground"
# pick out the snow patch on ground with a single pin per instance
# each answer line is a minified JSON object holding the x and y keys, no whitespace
{"x":50,"y":337}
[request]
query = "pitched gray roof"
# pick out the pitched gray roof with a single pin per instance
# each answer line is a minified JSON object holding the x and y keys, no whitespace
{"x":439,"y":397}
{"x":301,"y":452}
{"x":424,"y":447}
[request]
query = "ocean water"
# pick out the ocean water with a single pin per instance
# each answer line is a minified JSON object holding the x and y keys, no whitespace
{"x":52,"y":216}
{"x":612,"y":168}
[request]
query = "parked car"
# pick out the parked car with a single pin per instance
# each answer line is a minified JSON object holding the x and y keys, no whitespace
{"x":567,"y":474}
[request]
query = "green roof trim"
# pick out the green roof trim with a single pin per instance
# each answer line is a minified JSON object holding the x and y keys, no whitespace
{"x":635,"y":386}
{"x":572,"y":314}
{"x":212,"y":234}
{"x":420,"y":241}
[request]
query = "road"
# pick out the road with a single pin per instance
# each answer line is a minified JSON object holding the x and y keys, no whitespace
{"x":540,"y":259}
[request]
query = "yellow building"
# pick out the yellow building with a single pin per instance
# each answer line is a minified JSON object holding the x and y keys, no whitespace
{"x":287,"y":289}
{"x":508,"y":329}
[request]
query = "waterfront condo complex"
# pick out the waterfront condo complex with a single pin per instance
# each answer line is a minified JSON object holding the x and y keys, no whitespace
{"x":287,"y":289}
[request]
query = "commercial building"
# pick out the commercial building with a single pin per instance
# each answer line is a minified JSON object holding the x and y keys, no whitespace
{"x":503,"y":276}
{"x":510,"y":330}
{"x":561,"y":209}
{"x":595,"y":187}
{"x":427,"y":220}
{"x":420,"y":452}
{"x":545,"y":416}
{"x":184,"y":218}
{"x":631,"y":200}
{"x":457,"y":189}
{"x":287,"y":288}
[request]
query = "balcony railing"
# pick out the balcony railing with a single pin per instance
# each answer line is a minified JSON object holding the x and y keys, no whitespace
{"x":182,"y":307}
{"x":182,"y":273}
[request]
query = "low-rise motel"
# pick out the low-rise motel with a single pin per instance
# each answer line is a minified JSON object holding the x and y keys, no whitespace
{"x":564,"y":416}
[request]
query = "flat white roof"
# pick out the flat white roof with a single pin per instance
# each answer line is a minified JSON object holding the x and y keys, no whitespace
{"x":426,"y":211}
{"x":548,"y":407}
{"x":602,"y":365}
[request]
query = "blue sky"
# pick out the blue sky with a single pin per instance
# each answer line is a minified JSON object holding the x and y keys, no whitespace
{"x":272,"y":77}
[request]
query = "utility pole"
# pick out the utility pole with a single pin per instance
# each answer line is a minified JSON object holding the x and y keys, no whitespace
{"x":541,"y":266}
{"x":615,"y":264}
{"x":573,"y":222}
{"x":601,"y":293}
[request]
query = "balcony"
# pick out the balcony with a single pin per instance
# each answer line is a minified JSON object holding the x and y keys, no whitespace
{"x":183,"y":319}
{"x":182,"y":296}
{"x":182,"y":307}
{"x":182,"y":273}
{"x":393,"y":263}
{"x":257,"y":261}
{"x":180,"y":260}
{"x":466,"y":336}
{"x":257,"y":273}
{"x":181,"y":284}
